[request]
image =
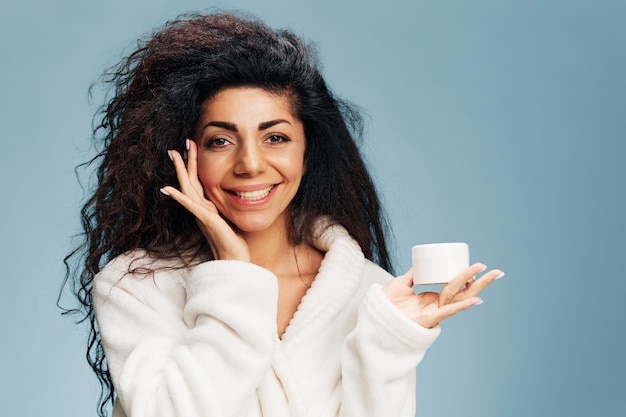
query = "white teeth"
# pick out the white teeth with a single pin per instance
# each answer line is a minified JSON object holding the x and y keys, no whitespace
{"x":254,"y":195}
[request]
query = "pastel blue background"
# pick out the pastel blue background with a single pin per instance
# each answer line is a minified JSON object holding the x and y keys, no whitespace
{"x":500,"y":123}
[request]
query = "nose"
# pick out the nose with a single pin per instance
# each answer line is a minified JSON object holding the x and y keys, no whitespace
{"x":250,"y":159}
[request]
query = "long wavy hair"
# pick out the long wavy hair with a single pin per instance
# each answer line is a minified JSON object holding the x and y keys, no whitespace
{"x":153,"y":104}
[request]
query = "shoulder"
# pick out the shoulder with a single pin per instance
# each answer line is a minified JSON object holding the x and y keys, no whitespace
{"x":135,"y":263}
{"x":375,"y":274}
{"x":142,"y":276}
{"x":334,"y":237}
{"x":341,"y":249}
{"x":371,"y":275}
{"x":138,"y":274}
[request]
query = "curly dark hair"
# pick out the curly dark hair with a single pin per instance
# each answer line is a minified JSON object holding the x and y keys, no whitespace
{"x":154,"y":103}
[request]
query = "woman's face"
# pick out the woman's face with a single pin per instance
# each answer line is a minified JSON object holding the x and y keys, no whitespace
{"x":250,"y":156}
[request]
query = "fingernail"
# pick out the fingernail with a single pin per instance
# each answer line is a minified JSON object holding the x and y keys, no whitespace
{"x":187,"y":144}
{"x":482,"y":268}
{"x":164,"y":192}
{"x":479,"y":302}
{"x":499,"y":276}
{"x":169,"y":153}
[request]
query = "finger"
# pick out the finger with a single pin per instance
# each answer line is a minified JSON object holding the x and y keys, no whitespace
{"x":192,"y":164}
{"x":407,"y":278}
{"x":184,"y":178}
{"x":178,"y":196}
{"x":453,"y":287}
{"x":451,"y":309}
{"x":198,"y":209}
{"x":179,"y":167}
{"x":483,"y":282}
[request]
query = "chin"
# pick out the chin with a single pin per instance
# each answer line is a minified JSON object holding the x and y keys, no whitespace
{"x":259,"y":225}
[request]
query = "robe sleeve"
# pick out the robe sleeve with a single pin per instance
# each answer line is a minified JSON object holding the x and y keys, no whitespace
{"x":379,"y":360}
{"x":176,"y":343}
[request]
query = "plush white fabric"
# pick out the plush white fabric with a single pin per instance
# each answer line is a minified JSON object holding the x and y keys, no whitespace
{"x":203,"y":341}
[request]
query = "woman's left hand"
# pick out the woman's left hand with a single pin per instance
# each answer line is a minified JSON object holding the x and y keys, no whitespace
{"x":429,"y":308}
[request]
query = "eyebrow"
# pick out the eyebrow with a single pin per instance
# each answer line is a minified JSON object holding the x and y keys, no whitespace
{"x":233,"y":127}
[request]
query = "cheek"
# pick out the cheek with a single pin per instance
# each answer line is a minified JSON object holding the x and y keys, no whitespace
{"x":208,"y":174}
{"x":294,"y":164}
{"x":292,"y":168}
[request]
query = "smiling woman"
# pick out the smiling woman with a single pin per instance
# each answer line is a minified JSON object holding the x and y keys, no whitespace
{"x":235,"y":261}
{"x":251,"y":159}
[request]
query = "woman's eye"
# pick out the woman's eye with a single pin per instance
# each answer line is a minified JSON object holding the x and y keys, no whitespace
{"x":217,"y":143}
{"x":277,"y":139}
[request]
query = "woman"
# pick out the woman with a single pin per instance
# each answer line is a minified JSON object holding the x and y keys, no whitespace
{"x":243,"y":240}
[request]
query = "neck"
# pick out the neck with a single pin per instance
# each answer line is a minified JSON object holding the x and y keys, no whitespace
{"x":270,"y":248}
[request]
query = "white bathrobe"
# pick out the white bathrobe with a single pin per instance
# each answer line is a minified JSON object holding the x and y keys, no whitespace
{"x":202,"y":342}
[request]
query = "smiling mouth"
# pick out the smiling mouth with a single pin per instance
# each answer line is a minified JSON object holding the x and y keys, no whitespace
{"x":253,"y":195}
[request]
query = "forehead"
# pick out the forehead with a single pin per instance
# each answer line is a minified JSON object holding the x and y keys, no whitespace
{"x":248,"y":102}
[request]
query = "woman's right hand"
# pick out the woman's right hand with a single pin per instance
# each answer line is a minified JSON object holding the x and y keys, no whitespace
{"x":224,"y":241}
{"x":429,"y":308}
